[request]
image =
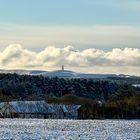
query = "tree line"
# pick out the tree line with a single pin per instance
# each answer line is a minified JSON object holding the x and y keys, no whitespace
{"x":123,"y":104}
{"x":99,"y":99}
{"x":23,"y":86}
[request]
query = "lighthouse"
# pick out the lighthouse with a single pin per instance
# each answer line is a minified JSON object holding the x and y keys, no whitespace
{"x":62,"y":67}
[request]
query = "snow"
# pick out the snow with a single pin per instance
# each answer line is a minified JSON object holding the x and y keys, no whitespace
{"x":23,"y":71}
{"x":136,"y":85}
{"x":37,"y":129}
{"x":71,"y":74}
{"x":61,"y":74}
{"x":64,"y":74}
{"x":30,"y":106}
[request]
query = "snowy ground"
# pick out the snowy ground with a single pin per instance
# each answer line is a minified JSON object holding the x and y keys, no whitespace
{"x":36,"y":129}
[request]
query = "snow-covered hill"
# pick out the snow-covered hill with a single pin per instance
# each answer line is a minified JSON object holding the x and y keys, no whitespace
{"x":23,"y":72}
{"x":63,"y":74}
{"x":71,"y":74}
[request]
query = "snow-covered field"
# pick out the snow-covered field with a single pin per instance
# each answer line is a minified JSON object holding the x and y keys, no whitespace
{"x":37,"y":129}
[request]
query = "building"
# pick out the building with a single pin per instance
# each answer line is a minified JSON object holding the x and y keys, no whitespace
{"x":70,"y":111}
{"x":62,"y":67}
{"x":24,"y":109}
{"x":38,"y":109}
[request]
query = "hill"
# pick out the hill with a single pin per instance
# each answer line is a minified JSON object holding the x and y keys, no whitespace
{"x":66,"y":74}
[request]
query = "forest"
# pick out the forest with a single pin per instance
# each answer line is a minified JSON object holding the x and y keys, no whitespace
{"x":99,"y":99}
{"x":23,"y":86}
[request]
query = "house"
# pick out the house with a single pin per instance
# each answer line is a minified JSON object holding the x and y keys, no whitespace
{"x":70,"y":111}
{"x":61,"y":111}
{"x":38,"y":109}
{"x":24,"y":109}
{"x":55,"y":111}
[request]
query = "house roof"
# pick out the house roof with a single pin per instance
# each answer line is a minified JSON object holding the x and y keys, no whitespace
{"x":65,"y":108}
{"x":70,"y":108}
{"x":30,"y":106}
{"x":1,"y":104}
{"x":39,"y":107}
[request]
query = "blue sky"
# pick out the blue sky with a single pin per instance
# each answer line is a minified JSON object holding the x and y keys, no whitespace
{"x":105,"y":35}
{"x":73,"y":12}
{"x":20,"y":22}
{"x":56,"y":14}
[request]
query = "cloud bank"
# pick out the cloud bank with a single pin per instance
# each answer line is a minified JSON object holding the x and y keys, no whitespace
{"x":89,"y":60}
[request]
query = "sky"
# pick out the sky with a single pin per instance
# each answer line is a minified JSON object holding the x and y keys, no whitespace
{"x":109,"y":30}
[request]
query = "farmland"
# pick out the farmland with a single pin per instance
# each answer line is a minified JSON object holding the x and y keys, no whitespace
{"x":35,"y":129}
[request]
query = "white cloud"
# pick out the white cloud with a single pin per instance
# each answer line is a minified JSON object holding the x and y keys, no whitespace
{"x":116,"y":61}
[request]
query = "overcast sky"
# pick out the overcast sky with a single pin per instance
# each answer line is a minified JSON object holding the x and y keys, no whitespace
{"x":87,"y":25}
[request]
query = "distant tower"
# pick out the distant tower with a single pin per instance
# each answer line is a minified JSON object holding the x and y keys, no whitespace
{"x":62,"y":67}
